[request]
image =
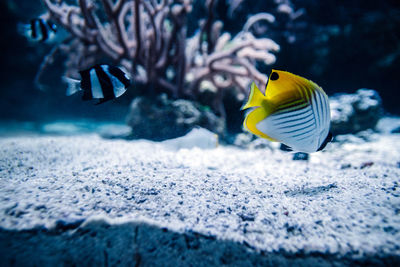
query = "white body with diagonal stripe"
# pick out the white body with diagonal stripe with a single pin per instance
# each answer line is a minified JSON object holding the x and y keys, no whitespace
{"x":303,"y":128}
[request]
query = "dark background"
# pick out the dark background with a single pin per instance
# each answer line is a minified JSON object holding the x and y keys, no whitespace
{"x":341,"y":45}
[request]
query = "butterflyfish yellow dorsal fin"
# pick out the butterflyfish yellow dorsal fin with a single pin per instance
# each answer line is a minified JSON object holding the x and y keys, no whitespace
{"x":256,"y":98}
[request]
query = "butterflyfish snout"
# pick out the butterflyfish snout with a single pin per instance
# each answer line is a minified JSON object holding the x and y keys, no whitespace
{"x":294,"y":111}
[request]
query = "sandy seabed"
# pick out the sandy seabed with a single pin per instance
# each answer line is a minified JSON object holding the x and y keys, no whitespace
{"x":68,"y":200}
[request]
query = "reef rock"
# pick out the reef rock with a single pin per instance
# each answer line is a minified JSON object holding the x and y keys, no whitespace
{"x":162,"y":118}
{"x":351,"y":113}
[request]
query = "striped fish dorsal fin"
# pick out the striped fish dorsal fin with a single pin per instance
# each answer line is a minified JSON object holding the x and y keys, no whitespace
{"x":118,"y":78}
{"x":51,"y":26}
{"x":120,"y":75}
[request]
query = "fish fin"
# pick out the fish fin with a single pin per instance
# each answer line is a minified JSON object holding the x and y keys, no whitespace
{"x":118,"y":78}
{"x":328,"y":139}
{"x":52,"y":26}
{"x":24,"y":30}
{"x":73,"y":85}
{"x":286,"y":148}
{"x":255,"y":116}
{"x":256,"y":98}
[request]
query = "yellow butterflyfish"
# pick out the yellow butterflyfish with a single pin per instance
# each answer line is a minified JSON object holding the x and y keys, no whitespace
{"x":294,"y":111}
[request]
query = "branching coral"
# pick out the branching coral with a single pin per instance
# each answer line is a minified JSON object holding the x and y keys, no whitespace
{"x":149,"y":38}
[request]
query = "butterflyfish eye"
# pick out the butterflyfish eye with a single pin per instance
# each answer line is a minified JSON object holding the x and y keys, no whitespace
{"x":274,"y":76}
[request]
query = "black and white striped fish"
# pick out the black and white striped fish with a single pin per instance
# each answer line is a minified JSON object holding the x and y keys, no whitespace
{"x":293,"y":111}
{"x":39,"y":29}
{"x":103,"y":82}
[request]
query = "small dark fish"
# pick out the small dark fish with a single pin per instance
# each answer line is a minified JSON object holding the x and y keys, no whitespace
{"x":103,"y":82}
{"x":39,"y":29}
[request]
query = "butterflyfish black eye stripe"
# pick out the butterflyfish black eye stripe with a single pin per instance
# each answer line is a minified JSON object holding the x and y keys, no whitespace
{"x":274,"y":76}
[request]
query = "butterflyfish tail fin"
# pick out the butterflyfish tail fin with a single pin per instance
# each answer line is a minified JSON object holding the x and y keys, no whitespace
{"x":73,"y":85}
{"x":255,"y":98}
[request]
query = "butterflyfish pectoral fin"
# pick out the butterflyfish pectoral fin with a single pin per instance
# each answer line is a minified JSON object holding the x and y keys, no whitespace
{"x":255,"y":98}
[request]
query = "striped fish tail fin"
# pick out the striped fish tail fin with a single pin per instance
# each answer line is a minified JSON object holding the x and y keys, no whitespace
{"x":73,"y":85}
{"x":255,"y":98}
{"x":24,"y":30}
